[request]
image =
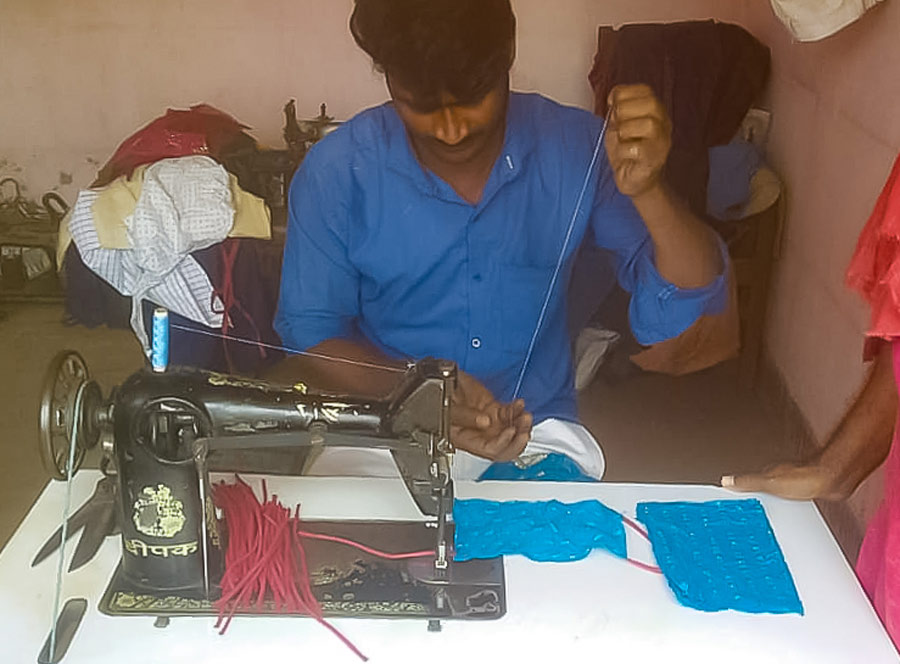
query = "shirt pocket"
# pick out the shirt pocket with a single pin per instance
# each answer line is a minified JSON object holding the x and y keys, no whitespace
{"x":522,"y":291}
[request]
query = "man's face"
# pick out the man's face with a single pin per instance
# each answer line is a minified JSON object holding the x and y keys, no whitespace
{"x":447,"y":129}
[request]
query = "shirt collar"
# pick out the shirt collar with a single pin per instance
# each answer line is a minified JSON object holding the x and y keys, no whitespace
{"x":518,"y":144}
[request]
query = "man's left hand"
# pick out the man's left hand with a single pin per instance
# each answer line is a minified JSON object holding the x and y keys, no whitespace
{"x":485,"y":427}
{"x":638,"y":138}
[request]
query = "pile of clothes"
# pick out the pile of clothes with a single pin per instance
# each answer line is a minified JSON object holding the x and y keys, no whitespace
{"x":165,"y":224}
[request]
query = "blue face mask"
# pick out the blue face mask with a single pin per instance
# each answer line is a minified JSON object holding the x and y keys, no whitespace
{"x":715,"y":556}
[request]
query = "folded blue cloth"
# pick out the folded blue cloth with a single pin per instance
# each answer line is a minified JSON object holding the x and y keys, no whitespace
{"x":720,"y":555}
{"x":552,"y":468}
{"x":731,"y":170}
{"x":543,"y":531}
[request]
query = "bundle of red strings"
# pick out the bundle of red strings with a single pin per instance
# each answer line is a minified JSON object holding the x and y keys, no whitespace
{"x":266,"y":568}
{"x":265,"y":564}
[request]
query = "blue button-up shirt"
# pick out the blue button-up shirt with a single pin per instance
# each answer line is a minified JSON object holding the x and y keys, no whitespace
{"x":378,"y":246}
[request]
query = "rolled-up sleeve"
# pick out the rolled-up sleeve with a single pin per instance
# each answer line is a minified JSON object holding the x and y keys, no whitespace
{"x":319,"y":297}
{"x":659,"y":309}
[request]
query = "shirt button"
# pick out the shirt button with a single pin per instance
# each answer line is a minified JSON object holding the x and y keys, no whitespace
{"x":477,"y":277}
{"x":476,"y":342}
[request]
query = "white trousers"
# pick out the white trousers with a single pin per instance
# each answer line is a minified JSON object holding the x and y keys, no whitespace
{"x":550,"y":436}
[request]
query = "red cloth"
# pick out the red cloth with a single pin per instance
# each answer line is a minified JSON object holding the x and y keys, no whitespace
{"x":875,"y":268}
{"x":878,"y":565}
{"x":201,"y":130}
{"x":875,"y":272}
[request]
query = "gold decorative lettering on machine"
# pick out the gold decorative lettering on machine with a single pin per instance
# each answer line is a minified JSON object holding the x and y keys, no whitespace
{"x":137,"y":547}
{"x":219,"y":380}
{"x":330,"y":412}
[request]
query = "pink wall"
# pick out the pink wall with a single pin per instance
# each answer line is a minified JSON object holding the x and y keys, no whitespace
{"x":77,"y":77}
{"x":836,"y":132}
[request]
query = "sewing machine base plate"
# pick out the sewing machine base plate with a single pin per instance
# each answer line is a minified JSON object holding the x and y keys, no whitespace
{"x":351,"y":583}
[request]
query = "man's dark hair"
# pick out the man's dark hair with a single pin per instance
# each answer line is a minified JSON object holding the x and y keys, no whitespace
{"x":460,"y":47}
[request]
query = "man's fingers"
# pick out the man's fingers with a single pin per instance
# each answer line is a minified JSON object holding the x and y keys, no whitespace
{"x":639,"y":128}
{"x":470,"y":418}
{"x":470,"y":391}
{"x":504,"y":447}
{"x":623,"y":93}
{"x":517,"y":446}
{"x":513,"y":445}
{"x":497,"y":445}
{"x":524,"y":423}
{"x":467,"y":439}
{"x":647,"y":108}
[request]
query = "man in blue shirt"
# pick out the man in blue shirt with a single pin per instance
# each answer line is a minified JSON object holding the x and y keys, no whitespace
{"x":433,"y":225}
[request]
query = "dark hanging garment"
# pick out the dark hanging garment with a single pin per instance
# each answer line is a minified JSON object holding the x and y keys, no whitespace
{"x":707,"y":74}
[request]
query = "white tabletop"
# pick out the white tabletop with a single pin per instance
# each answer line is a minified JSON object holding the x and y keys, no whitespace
{"x":599,"y":609}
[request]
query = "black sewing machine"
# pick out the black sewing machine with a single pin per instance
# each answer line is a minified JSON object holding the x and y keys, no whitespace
{"x":159,"y":434}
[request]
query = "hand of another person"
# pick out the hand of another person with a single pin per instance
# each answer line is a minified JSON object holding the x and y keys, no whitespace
{"x":795,"y":481}
{"x":638,"y":138}
{"x":485,"y":427}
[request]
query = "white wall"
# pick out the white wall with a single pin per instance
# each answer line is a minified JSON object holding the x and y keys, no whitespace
{"x":78,"y":77}
{"x":835,"y":134}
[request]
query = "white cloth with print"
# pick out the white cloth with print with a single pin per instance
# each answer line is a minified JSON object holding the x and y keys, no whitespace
{"x":811,"y":20}
{"x":185,"y":205}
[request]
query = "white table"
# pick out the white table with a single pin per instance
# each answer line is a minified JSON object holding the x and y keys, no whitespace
{"x":599,"y":609}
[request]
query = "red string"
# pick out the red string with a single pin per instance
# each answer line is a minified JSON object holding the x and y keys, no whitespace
{"x":228,"y":251}
{"x":643,"y":533}
{"x":363,"y":547}
{"x":643,"y":566}
{"x":264,"y":559}
{"x":631,"y":524}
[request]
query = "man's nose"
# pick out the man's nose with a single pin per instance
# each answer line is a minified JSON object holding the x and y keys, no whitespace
{"x":450,"y":127}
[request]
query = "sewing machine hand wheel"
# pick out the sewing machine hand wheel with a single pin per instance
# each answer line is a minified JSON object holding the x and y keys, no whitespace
{"x":60,"y":410}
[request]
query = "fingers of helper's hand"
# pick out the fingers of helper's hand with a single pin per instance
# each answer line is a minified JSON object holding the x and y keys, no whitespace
{"x":796,"y":482}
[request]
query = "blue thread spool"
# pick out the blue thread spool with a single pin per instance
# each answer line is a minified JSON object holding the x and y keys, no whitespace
{"x":159,"y":352}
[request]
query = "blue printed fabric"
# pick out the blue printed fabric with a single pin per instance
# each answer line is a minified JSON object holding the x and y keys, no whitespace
{"x":552,"y":468}
{"x":542,"y":531}
{"x":720,"y":555}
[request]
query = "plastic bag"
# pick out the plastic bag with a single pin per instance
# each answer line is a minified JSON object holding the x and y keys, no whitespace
{"x":201,"y":130}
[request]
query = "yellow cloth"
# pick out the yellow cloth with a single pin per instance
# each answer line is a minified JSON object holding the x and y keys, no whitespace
{"x":252,"y":217}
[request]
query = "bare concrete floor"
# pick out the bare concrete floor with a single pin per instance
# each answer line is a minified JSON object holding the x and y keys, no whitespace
{"x":653,"y":428}
{"x":30,"y":336}
{"x":688,"y":429}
